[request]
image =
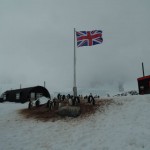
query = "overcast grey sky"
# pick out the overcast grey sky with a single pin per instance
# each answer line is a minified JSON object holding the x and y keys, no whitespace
{"x":36,"y":42}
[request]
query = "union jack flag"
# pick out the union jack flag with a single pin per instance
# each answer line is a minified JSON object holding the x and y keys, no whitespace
{"x":89,"y":38}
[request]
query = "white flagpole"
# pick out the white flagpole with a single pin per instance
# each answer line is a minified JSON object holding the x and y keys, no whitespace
{"x":74,"y":86}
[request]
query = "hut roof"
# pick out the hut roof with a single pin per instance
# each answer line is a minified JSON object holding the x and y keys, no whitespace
{"x":143,"y":78}
{"x":22,"y":89}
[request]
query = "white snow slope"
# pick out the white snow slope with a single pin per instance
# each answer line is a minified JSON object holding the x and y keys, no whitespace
{"x":119,"y":127}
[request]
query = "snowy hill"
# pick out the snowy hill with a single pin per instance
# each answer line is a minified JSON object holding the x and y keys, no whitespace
{"x":119,"y":127}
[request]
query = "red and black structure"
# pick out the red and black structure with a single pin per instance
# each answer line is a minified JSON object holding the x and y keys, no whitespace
{"x":144,"y":83}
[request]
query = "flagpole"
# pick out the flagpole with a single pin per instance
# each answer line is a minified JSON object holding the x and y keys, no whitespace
{"x":74,"y":86}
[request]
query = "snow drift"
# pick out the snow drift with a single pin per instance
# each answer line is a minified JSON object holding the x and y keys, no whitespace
{"x":119,"y":127}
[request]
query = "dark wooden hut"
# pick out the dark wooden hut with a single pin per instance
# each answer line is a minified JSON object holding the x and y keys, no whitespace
{"x":144,"y":85}
{"x":25,"y":94}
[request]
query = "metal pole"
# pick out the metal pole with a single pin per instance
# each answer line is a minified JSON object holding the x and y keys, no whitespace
{"x":143,"y":69}
{"x":74,"y":86}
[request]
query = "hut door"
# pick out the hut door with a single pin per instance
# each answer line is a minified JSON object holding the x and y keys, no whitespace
{"x":32,"y":96}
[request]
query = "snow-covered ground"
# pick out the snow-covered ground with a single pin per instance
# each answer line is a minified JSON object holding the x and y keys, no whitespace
{"x":119,"y":127}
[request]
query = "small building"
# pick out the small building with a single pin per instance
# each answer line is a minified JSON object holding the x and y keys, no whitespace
{"x":25,"y":94}
{"x":144,"y":85}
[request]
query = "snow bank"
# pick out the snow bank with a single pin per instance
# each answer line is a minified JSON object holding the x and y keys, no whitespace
{"x":43,"y":99}
{"x":119,"y":127}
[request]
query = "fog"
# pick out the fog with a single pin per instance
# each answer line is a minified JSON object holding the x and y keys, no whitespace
{"x":37,"y":37}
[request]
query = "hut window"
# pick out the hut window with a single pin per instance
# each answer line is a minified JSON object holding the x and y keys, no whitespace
{"x":142,"y":87}
{"x":18,"y":96}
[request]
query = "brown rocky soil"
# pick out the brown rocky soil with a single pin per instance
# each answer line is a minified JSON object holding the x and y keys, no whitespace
{"x":44,"y":114}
